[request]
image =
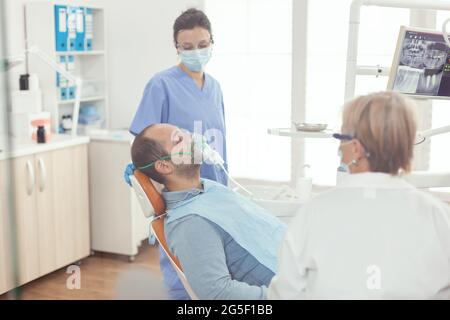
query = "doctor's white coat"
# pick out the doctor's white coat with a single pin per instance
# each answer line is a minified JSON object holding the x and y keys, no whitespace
{"x":373,"y":237}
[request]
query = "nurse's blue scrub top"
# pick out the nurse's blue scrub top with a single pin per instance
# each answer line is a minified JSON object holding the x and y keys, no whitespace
{"x":172,"y":96}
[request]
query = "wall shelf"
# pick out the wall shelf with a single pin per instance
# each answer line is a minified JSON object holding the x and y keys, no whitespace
{"x":88,"y":99}
{"x":79,"y":53}
{"x":294,"y":133}
{"x":89,"y":65}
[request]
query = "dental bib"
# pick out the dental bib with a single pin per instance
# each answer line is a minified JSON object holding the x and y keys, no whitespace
{"x":252,"y":227}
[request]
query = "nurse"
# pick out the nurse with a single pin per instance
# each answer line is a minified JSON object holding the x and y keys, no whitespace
{"x":189,"y":98}
{"x":375,"y":236}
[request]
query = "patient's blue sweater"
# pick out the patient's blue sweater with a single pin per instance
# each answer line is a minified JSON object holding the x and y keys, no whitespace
{"x":216,"y":266}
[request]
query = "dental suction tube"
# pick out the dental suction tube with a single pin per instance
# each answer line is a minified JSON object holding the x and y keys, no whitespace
{"x":212,"y":156}
{"x":235,"y":182}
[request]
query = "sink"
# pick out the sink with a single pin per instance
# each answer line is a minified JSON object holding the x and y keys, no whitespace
{"x":281,"y":201}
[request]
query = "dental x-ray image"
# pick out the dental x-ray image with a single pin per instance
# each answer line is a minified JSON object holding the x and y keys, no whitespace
{"x":421,"y":64}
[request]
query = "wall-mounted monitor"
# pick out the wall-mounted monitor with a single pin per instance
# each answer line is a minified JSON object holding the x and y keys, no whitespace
{"x":421,"y":65}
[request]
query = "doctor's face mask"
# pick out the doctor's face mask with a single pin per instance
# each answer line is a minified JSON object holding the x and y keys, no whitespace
{"x":343,"y":167}
{"x":344,"y":139}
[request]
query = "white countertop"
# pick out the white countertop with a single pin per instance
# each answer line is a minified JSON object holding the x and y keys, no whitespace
{"x":111,"y":135}
{"x":441,"y":193}
{"x":24,"y":147}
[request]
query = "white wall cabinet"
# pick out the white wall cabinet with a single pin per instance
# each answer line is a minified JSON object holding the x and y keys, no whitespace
{"x":71,"y":204}
{"x":44,"y":188}
{"x":51,"y":205}
{"x":89,"y":65}
{"x":24,"y":175}
{"x":118,"y":224}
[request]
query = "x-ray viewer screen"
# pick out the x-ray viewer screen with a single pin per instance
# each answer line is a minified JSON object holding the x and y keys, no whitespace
{"x":423,"y":65}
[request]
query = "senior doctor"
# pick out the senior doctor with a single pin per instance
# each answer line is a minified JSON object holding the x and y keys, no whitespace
{"x":374,"y":236}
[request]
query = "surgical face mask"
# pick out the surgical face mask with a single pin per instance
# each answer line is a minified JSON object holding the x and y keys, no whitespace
{"x":196,"y":60}
{"x":343,"y":167}
{"x":195,"y":145}
{"x":208,"y":154}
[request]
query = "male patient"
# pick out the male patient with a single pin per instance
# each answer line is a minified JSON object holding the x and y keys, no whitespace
{"x":226,"y":244}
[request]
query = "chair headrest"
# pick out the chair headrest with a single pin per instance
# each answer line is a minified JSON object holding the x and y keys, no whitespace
{"x":151,"y":201}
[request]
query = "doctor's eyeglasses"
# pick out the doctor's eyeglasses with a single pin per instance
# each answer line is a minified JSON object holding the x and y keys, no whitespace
{"x":346,"y":138}
{"x":343,"y":137}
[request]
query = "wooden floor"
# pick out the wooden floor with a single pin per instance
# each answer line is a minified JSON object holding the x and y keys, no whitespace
{"x":103,"y":276}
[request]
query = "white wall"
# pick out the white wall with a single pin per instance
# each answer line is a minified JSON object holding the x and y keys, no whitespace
{"x":3,"y":125}
{"x":139,"y":45}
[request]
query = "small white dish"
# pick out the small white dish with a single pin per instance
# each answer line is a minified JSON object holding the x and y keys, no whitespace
{"x":310,"y":127}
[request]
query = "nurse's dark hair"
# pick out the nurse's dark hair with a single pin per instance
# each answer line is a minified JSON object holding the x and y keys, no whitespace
{"x":146,"y":150}
{"x":190,"y":19}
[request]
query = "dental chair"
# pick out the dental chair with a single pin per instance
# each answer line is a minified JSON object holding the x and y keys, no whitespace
{"x":152,"y":205}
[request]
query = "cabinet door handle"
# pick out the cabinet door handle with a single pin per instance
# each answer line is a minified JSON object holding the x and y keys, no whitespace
{"x":43,"y":174}
{"x":31,"y":178}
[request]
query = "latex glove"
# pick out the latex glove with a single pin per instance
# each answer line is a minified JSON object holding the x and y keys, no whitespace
{"x":129,"y":171}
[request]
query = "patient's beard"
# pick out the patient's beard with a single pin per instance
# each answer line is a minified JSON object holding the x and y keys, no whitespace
{"x":188,"y":171}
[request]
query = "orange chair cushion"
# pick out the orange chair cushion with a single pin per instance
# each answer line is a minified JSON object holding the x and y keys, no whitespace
{"x":159,"y":205}
{"x":153,"y":195}
{"x":158,"y":228}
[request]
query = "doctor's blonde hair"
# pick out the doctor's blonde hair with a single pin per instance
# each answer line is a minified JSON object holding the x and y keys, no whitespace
{"x":385,"y":124}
